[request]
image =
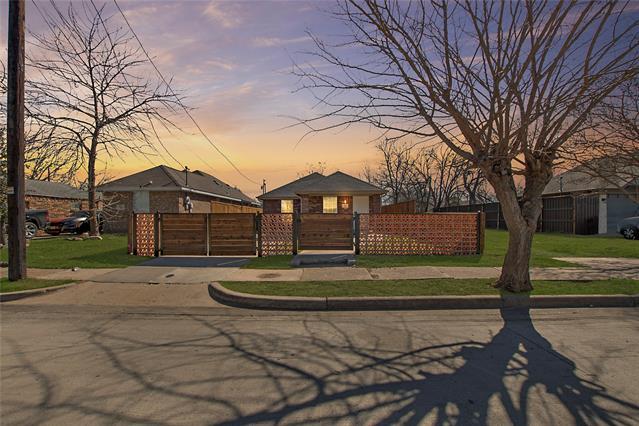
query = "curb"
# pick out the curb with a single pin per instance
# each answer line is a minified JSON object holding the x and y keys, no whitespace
{"x":253,"y":301}
{"x":16,"y":295}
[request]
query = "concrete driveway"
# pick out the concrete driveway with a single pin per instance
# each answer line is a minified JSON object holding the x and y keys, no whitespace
{"x":198,"y":261}
{"x":115,"y":364}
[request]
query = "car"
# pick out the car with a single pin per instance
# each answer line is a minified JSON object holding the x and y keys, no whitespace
{"x":629,"y":227}
{"x":36,"y":219}
{"x":77,"y":223}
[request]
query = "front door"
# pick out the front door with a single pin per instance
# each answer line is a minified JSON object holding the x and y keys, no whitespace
{"x":360,"y":204}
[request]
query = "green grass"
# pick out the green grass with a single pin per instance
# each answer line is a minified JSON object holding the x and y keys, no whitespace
{"x":426,"y":287}
{"x":59,"y":253}
{"x":545,"y":248}
{"x":269,"y":262}
{"x":7,"y":286}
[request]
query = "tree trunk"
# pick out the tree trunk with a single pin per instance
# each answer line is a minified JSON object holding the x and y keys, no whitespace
{"x":515,"y":272}
{"x":521,"y":217}
{"x":93,"y":210}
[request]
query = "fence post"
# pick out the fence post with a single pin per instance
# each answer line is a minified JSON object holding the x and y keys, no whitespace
{"x":130,"y":234}
{"x":208,"y":234}
{"x":258,"y":226}
{"x":135,"y":234}
{"x":296,"y":226}
{"x":481,"y":225}
{"x":156,"y":234}
{"x":356,"y":232}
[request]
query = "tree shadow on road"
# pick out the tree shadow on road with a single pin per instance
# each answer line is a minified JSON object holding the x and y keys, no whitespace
{"x":329,"y":370}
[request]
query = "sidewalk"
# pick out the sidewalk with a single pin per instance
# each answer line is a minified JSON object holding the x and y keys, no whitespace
{"x":598,"y":269}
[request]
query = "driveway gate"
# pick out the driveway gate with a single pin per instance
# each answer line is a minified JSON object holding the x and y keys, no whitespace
{"x":325,"y":231}
{"x":183,"y":234}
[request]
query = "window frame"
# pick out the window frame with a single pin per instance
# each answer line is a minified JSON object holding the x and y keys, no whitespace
{"x":324,"y":199}
{"x":292,"y":204}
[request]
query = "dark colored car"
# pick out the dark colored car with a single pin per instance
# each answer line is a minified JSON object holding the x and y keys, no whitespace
{"x":629,"y":227}
{"x":77,"y":223}
{"x":35,"y":220}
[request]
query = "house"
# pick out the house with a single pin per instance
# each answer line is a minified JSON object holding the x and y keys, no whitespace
{"x":164,"y":189}
{"x":316,"y":193}
{"x":598,"y":200}
{"x":59,"y":198}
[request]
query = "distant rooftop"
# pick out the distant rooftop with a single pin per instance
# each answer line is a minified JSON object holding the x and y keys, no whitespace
{"x":44,"y":188}
{"x":338,"y":183}
{"x":167,"y":178}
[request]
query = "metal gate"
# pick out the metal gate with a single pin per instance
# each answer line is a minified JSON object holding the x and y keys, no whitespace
{"x":325,"y":231}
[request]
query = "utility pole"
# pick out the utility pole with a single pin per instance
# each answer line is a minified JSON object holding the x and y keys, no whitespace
{"x":15,"y":142}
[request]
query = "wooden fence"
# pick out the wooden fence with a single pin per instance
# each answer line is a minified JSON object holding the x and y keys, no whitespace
{"x":247,"y":234}
{"x":567,"y":214}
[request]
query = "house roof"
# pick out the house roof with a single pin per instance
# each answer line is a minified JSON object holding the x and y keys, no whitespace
{"x":337,"y":183}
{"x":289,"y":190}
{"x":164,"y":178}
{"x":586,"y":178}
{"x":43,"y":188}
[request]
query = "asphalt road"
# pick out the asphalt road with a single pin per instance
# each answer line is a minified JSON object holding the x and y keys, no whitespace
{"x":79,"y":364}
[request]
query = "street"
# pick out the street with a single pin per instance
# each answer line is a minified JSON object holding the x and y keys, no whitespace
{"x":90,"y":364}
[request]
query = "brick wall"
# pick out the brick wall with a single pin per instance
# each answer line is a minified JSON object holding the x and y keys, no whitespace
{"x":345,"y":204}
{"x":58,"y":207}
{"x":164,"y":202}
{"x":271,"y":206}
{"x":118,"y":206}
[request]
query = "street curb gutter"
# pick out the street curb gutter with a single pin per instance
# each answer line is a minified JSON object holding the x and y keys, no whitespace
{"x":16,"y":295}
{"x":253,"y":301}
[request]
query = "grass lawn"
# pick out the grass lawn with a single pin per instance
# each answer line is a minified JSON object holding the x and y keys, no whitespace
{"x":426,"y":287}
{"x":59,"y":253}
{"x":269,"y":262}
{"x":7,"y":286}
{"x":545,"y":247}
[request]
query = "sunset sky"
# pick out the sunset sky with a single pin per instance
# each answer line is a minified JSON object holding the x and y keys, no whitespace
{"x":234,"y":60}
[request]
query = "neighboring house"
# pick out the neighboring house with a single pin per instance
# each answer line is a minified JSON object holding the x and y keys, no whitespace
{"x":164,"y":189}
{"x":59,"y":198}
{"x":602,"y":202}
{"x":316,"y":193}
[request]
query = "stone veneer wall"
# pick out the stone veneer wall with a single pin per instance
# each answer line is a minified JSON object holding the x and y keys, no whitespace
{"x":58,"y":207}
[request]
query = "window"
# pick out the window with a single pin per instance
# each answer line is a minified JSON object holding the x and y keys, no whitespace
{"x":329,"y":204}
{"x":286,"y":206}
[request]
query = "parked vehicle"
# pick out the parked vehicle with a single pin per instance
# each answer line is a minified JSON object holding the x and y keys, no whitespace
{"x":629,"y":227}
{"x":35,"y":220}
{"x":77,"y":223}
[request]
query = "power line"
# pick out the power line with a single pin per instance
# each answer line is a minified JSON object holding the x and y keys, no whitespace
{"x":178,"y":99}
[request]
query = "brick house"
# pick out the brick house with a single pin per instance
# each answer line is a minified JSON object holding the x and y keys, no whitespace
{"x":59,"y":198}
{"x":164,"y":189}
{"x":316,"y":193}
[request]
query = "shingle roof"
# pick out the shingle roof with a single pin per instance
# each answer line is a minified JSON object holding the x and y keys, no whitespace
{"x":168,"y":178}
{"x":340,"y":184}
{"x":44,"y":188}
{"x":290,"y":189}
{"x":337,"y":183}
{"x":581,"y":178}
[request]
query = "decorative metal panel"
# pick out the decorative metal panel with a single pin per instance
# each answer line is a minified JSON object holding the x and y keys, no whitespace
{"x":419,"y":234}
{"x":277,"y":234}
{"x":145,"y":234}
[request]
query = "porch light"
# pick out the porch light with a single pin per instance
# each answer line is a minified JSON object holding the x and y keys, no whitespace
{"x":345,"y":203}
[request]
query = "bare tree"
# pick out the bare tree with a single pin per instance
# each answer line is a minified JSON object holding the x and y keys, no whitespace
{"x":90,"y":90}
{"x":319,"y":167}
{"x":609,"y":148}
{"x":497,"y":82}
